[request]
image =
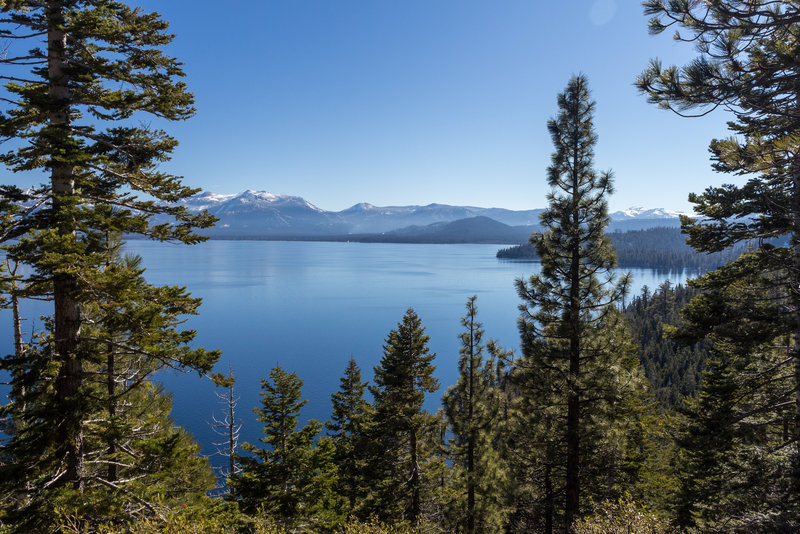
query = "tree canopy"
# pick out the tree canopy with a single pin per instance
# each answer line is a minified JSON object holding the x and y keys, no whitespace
{"x":79,"y":78}
{"x":746,"y":65}
{"x":578,"y":367}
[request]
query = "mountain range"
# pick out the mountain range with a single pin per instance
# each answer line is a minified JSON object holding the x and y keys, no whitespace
{"x":259,"y":214}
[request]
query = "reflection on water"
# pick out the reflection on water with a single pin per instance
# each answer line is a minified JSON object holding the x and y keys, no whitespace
{"x":310,"y":306}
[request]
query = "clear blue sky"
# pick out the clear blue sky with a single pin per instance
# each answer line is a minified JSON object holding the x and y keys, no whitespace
{"x":420,"y":101}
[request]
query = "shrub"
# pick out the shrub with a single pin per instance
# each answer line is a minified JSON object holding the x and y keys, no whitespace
{"x":623,"y":517}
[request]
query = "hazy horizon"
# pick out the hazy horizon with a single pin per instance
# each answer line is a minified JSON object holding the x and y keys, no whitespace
{"x":641,"y":206}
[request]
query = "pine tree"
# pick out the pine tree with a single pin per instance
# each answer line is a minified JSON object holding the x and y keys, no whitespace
{"x":578,"y":364}
{"x":136,"y":461}
{"x":746,"y":65}
{"x":350,"y":429}
{"x":736,"y":453}
{"x":292,"y":478}
{"x":673,"y":369}
{"x":473,"y":407}
{"x":735,"y":472}
{"x":76,"y":74}
{"x":402,"y":378}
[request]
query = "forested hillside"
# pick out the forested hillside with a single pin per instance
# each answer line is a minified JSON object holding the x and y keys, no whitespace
{"x":674,"y":369}
{"x":654,"y":248}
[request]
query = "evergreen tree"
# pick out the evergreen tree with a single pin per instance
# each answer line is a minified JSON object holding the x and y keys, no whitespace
{"x":293,"y":476}
{"x":578,"y":369}
{"x":673,"y":368}
{"x":402,"y":378}
{"x":350,"y":429}
{"x":746,"y":65}
{"x":664,"y":249}
{"x":76,"y":73}
{"x":735,"y":472}
{"x":134,"y":459}
{"x":736,"y":454}
{"x":473,"y":407}
{"x":437,"y":477}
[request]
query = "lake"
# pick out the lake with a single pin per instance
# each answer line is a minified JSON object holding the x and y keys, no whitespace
{"x":310,"y":306}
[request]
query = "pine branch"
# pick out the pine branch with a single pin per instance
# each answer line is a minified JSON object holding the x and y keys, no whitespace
{"x":135,"y":497}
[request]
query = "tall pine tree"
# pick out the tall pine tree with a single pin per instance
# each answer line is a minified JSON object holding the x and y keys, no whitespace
{"x":291,"y":478}
{"x":736,"y":455}
{"x":578,"y":366}
{"x":402,"y":378}
{"x":350,"y":429}
{"x":472,"y":407}
{"x":134,"y":459}
{"x":78,"y":73}
{"x":747,"y":65}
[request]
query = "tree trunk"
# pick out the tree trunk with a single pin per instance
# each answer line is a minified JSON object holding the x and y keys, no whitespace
{"x":573,"y":399}
{"x":548,"y":499}
{"x":66,"y":312}
{"x":19,"y":392}
{"x":231,"y":429}
{"x":112,"y":411}
{"x":415,"y":498}
{"x":17,"y":326}
{"x":471,"y":434}
{"x":795,"y":295}
{"x":19,"y":385}
{"x":111,"y":385}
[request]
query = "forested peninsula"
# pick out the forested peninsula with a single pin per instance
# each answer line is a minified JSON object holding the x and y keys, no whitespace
{"x":654,"y":248}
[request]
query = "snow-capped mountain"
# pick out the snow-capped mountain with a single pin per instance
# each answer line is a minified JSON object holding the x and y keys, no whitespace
{"x":259,"y":213}
{"x":246,"y":201}
{"x":262,"y":214}
{"x":644,"y":213}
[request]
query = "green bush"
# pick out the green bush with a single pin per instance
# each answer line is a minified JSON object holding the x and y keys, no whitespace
{"x":376,"y":527}
{"x":623,"y":517}
{"x":209,"y":517}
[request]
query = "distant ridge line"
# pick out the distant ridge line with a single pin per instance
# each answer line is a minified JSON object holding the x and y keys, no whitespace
{"x":255,"y":214}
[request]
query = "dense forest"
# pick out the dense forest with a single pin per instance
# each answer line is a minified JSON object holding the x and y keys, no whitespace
{"x":678,"y":412}
{"x":653,"y":248}
{"x":674,"y":369}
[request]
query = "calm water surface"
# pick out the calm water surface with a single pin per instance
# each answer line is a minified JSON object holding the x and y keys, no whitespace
{"x":310,"y":306}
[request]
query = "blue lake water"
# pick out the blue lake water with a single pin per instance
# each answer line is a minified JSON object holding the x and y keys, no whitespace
{"x":311,"y":306}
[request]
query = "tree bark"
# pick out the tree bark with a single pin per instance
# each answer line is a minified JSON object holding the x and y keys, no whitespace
{"x":231,"y":429}
{"x":573,"y":399}
{"x":415,"y":497}
{"x":795,"y":295}
{"x":549,"y":505}
{"x":111,"y":384}
{"x":19,"y":391}
{"x":66,"y":313}
{"x":112,"y":410}
{"x":18,"y":381}
{"x":471,"y":423}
